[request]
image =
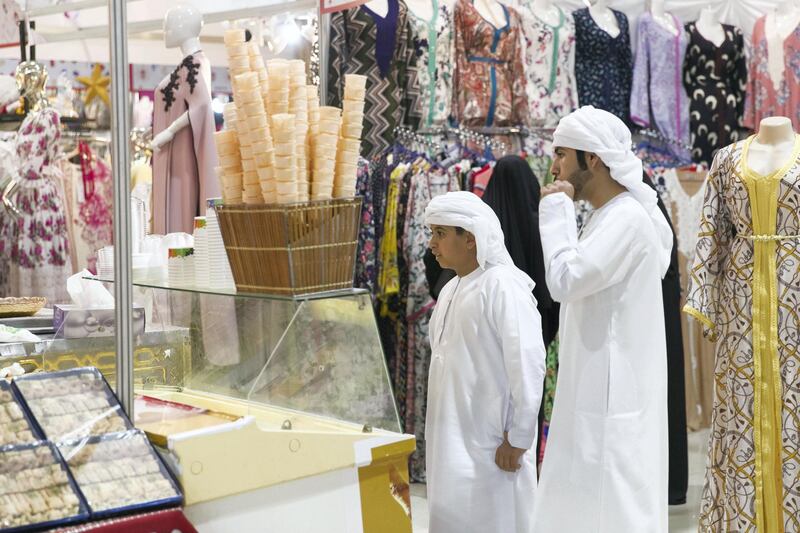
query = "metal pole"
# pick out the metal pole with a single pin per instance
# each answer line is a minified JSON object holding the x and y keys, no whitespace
{"x":324,"y":54}
{"x":121,"y":168}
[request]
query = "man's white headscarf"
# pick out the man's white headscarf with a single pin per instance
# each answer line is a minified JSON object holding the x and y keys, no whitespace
{"x":466,"y":210}
{"x":602,"y":133}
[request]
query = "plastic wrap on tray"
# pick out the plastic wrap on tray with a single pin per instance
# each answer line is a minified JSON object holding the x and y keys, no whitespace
{"x":15,"y":427}
{"x":72,"y":404}
{"x":120,"y":472}
{"x":36,"y":490}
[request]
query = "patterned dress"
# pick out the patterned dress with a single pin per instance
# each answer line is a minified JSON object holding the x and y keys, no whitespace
{"x":745,"y":289}
{"x":489,"y":80}
{"x":764,"y":99}
{"x":36,"y":244}
{"x":433,"y":46}
{"x":715,"y":78}
{"x":425,"y":185}
{"x":95,"y":218}
{"x":603,"y":64}
{"x":658,"y":98}
{"x":382,"y":49}
{"x":550,"y":67}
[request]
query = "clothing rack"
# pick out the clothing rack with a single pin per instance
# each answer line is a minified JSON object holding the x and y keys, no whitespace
{"x":657,"y":135}
{"x":406,"y":135}
{"x":482,"y":137}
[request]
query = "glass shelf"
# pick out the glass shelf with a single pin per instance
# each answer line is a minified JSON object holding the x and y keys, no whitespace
{"x":165,"y":285}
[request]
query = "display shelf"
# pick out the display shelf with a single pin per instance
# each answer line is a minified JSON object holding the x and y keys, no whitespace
{"x":166,"y":285}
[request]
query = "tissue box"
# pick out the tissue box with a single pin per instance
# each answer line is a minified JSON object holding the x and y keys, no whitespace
{"x":73,"y":322}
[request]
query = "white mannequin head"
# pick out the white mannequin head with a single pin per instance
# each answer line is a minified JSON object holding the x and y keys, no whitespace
{"x":182,"y":23}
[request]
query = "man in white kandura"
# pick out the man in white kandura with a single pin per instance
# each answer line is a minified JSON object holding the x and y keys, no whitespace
{"x":605,"y":466}
{"x":485,"y":380}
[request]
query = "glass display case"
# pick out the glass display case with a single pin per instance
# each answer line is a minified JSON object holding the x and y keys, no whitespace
{"x":267,"y":392}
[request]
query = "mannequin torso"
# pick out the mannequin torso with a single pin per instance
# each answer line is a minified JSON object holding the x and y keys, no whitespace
{"x":709,"y":26}
{"x":422,"y":9}
{"x":662,"y":17}
{"x":492,"y":11}
{"x":778,"y":26}
{"x":547,"y":12}
{"x":182,"y":27}
{"x":379,"y":7}
{"x":772,"y":146}
{"x":604,"y":17}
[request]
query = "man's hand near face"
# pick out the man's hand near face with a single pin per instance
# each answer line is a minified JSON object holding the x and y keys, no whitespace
{"x":559,"y":186}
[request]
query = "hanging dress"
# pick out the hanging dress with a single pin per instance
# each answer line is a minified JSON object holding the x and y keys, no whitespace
{"x":715,"y":78}
{"x":603,"y":64}
{"x":550,"y":67}
{"x":36,"y":244}
{"x":489,"y":82}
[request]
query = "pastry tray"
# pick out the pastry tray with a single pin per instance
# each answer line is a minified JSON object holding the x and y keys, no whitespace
{"x":7,"y":390}
{"x":81,"y":453}
{"x":93,"y":387}
{"x":6,"y":454}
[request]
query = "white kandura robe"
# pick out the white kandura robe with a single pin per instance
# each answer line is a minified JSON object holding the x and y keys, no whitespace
{"x":486,"y":374}
{"x":605,"y":467}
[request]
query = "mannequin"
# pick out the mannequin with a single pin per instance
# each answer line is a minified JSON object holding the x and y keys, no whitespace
{"x":710,"y":27}
{"x":546,"y":11}
{"x":422,"y":9}
{"x":37,"y":242}
{"x":31,"y":79}
{"x":772,"y":146}
{"x":492,"y":11}
{"x":604,"y":17}
{"x":182,"y":25}
{"x":379,"y":7}
{"x":184,"y":157}
{"x":779,"y":24}
{"x":662,"y":17}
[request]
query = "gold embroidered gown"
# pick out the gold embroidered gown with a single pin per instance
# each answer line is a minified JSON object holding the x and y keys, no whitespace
{"x":745,"y":288}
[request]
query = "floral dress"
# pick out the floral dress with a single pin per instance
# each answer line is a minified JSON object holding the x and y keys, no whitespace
{"x":550,"y":67}
{"x":767,"y":97}
{"x":603,"y":65}
{"x":36,"y":244}
{"x":489,"y":79}
{"x":425,"y":184}
{"x":433,"y":46}
{"x":95,"y":217}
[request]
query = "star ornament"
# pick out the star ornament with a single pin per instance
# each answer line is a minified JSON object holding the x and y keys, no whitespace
{"x":96,"y":85}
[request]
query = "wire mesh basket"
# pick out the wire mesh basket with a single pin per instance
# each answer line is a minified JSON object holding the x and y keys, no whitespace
{"x":292,"y":249}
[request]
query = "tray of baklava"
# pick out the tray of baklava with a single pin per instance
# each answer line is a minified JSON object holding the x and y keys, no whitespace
{"x":15,"y":426}
{"x":71,"y":404}
{"x":36,"y":489}
{"x":120,"y":472}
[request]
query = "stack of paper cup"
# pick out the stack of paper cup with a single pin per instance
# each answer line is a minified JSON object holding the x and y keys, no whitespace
{"x":312,"y":94}
{"x":219,"y":269}
{"x":298,"y":106}
{"x":236,"y":47}
{"x":180,"y":267}
{"x":229,"y":116}
{"x":283,"y":126}
{"x":325,"y":149}
{"x":258,"y":138}
{"x":350,"y":140}
{"x":201,"y":274}
{"x":229,"y":171}
{"x":278,"y":71}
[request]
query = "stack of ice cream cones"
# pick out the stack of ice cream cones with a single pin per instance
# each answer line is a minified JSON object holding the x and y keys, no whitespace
{"x":349,"y":145}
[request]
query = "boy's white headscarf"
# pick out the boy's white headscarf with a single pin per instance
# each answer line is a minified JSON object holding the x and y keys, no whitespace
{"x":604,"y":134}
{"x":466,"y":210}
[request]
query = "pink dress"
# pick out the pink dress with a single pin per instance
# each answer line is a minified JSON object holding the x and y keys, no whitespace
{"x":36,"y":244}
{"x":763,"y":98}
{"x":183,"y":170}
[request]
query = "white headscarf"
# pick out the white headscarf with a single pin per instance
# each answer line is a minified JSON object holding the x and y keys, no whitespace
{"x":602,"y":133}
{"x":465,"y":210}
